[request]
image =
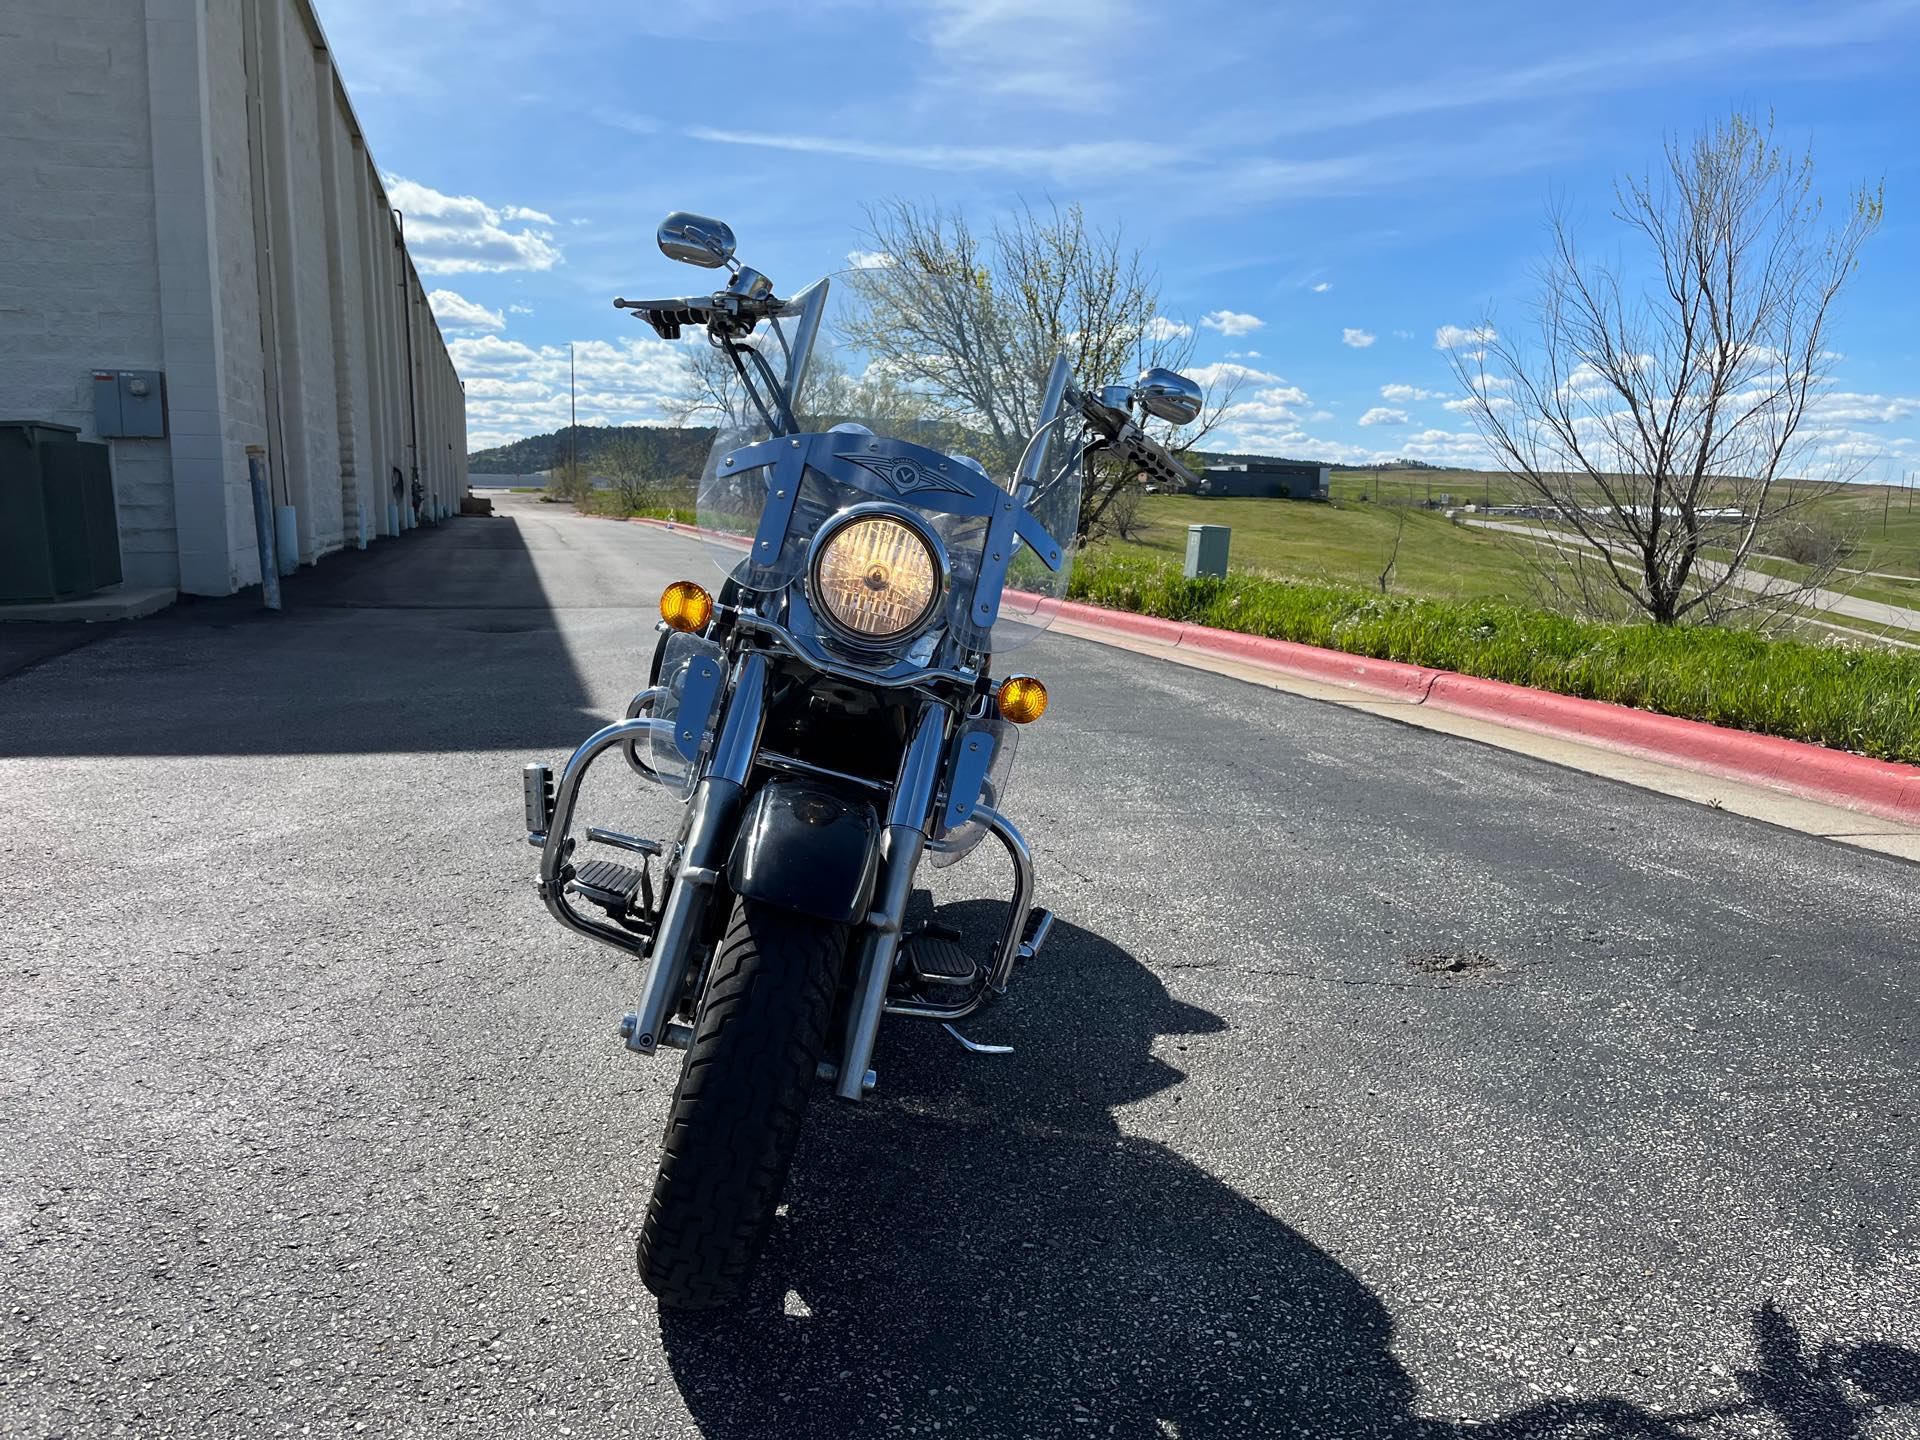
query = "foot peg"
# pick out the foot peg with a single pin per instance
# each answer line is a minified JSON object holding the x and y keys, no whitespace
{"x":1039,"y":926}
{"x":935,"y":957}
{"x":608,"y":884}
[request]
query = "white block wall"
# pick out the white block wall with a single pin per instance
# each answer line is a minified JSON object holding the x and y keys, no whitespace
{"x":184,"y":187}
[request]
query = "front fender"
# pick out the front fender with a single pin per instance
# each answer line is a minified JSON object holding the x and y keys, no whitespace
{"x":807,"y":847}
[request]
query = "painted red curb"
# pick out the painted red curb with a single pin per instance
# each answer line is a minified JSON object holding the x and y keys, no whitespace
{"x":1814,"y":772}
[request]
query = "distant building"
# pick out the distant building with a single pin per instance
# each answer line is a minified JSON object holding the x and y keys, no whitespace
{"x":1267,"y":479}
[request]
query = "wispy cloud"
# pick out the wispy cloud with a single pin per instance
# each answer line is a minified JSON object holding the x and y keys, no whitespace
{"x":1065,"y":161}
{"x":1033,"y":54}
{"x":1161,"y":328}
{"x":1381,"y":415}
{"x":1357,"y":339}
{"x":1401,"y":394}
{"x":1651,"y":57}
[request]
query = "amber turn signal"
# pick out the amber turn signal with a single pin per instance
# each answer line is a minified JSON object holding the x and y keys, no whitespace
{"x":1023,"y":699}
{"x":685,"y":606}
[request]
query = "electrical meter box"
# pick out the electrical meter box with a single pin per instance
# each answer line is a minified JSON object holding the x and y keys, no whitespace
{"x":129,"y":404}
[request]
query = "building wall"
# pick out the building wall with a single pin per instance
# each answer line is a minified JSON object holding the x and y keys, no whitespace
{"x":79,"y":281}
{"x":186,"y":188}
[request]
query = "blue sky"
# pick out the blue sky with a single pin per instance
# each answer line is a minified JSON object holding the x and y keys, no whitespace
{"x":1322,"y":189}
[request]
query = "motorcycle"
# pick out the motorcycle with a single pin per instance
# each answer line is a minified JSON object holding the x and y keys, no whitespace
{"x":831,"y":720}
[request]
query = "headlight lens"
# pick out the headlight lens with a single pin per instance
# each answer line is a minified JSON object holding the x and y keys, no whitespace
{"x":876,"y":578}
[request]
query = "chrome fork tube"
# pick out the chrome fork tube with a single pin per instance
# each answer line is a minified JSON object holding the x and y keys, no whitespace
{"x":905,"y":838}
{"x":713,"y":810}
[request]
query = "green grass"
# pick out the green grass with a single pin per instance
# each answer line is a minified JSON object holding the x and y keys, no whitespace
{"x":1345,"y":542}
{"x":1850,"y":699}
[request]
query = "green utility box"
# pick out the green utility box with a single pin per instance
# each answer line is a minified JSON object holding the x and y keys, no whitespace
{"x":59,"y":535}
{"x":1207,"y":550}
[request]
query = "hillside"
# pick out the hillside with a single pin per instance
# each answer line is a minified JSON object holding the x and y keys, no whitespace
{"x":677,"y":450}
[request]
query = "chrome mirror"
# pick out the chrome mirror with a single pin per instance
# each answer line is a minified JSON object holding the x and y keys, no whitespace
{"x":1168,"y":395}
{"x":696,"y":240}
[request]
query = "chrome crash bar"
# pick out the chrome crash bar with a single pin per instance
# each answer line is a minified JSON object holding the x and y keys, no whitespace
{"x":1012,"y":950}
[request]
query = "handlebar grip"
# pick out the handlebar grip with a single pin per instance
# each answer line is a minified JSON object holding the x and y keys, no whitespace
{"x":1138,"y":448}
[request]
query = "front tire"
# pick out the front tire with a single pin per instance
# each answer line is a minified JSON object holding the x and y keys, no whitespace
{"x":738,"y":1106}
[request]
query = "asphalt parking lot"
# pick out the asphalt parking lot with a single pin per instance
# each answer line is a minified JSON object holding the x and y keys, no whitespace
{"x":1374,"y":1083}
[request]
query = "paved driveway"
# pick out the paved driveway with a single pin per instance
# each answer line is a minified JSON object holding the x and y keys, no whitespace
{"x":1374,"y":1083}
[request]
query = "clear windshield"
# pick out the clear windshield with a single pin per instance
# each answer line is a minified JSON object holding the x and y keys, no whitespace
{"x":901,"y":358}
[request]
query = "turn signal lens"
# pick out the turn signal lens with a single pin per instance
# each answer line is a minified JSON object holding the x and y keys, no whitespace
{"x":1023,"y":699}
{"x":685,"y":606}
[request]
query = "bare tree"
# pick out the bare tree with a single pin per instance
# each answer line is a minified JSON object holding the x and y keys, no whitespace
{"x":633,"y":467}
{"x":969,"y":325}
{"x":1661,"y":425}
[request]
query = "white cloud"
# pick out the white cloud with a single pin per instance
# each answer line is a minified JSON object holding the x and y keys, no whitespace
{"x":1401,"y":394}
{"x":1232,"y":323}
{"x":1207,"y":376}
{"x":515,"y":389}
{"x":1357,"y":339}
{"x":521,"y":212}
{"x":1445,"y":445}
{"x":1452,"y":337}
{"x":1467,"y":405}
{"x":456,"y":312}
{"x":520,"y":310}
{"x":1322,"y":287}
{"x":869,"y":259}
{"x":1161,"y":328}
{"x":1381,"y":415}
{"x":459,"y":234}
{"x":1844,"y":407}
{"x":1243,"y":354}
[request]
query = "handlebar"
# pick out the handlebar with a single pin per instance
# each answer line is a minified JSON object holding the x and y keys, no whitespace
{"x":737,"y":314}
{"x":1130,"y":443}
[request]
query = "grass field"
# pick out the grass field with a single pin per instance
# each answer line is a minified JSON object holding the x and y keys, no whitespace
{"x":1348,"y":540}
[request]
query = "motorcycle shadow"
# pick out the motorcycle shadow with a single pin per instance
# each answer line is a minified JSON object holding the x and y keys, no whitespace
{"x":979,"y":1250}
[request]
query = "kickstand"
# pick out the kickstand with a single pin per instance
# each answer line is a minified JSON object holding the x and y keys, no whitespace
{"x":974,"y":1045}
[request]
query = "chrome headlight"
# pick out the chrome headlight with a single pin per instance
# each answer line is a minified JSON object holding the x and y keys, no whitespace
{"x":875,"y":576}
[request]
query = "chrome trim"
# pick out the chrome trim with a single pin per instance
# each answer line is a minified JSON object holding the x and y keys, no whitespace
{"x":900,"y":515}
{"x":642,"y":705}
{"x":920,"y":771}
{"x":712,"y":814}
{"x":804,"y":767}
{"x":975,"y":1046}
{"x":536,"y":785}
{"x":1022,"y":857}
{"x":622,"y":841}
{"x":905,"y":838}
{"x":798,"y":649}
{"x":739,"y":737}
{"x":1033,"y":460}
{"x":557,"y":847}
{"x":995,"y":982}
{"x":1031,"y":948}
{"x":812,"y":303}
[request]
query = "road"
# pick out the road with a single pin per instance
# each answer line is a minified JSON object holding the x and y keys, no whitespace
{"x":1374,"y":1083}
{"x":1828,"y":602}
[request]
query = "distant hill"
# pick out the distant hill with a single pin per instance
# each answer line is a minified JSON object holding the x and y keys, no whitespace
{"x":678,"y":450}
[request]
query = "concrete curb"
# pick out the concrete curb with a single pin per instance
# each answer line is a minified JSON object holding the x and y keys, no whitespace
{"x":1813,"y":772}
